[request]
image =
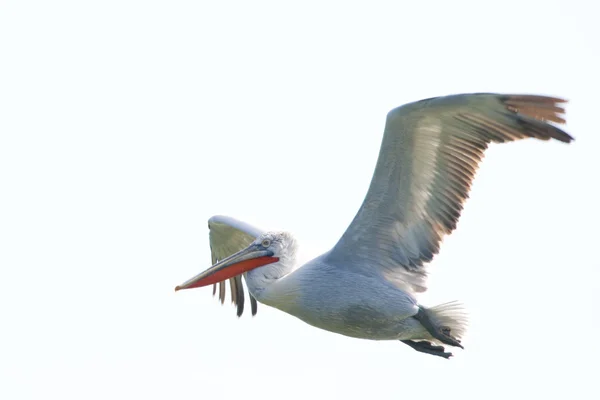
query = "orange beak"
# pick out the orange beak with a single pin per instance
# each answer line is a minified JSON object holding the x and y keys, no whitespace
{"x":251,"y":257}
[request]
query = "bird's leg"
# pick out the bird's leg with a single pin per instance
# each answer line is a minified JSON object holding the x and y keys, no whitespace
{"x":426,"y":347}
{"x":441,"y":333}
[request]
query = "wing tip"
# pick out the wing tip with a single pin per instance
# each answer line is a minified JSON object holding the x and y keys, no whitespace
{"x":544,"y":108}
{"x":540,"y":109}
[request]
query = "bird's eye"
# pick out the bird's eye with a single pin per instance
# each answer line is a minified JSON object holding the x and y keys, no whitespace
{"x":266,"y":243}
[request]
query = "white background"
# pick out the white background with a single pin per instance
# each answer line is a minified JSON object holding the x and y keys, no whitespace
{"x":126,"y":124}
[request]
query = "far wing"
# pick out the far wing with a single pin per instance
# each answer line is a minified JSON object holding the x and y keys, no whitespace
{"x":228,"y":236}
{"x":428,"y":158}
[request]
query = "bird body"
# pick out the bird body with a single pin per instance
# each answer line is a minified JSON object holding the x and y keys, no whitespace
{"x":349,"y":307}
{"x":366,"y":286}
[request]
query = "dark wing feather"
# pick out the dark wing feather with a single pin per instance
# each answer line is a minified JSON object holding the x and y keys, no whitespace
{"x":228,"y":236}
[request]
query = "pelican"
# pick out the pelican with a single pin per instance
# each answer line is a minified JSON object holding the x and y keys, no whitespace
{"x":366,"y":286}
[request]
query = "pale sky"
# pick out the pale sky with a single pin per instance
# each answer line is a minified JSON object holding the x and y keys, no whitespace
{"x":125,"y":125}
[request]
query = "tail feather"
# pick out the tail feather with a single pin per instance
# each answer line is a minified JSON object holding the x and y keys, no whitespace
{"x":451,"y":315}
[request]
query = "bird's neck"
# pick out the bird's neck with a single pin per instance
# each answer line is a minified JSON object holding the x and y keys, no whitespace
{"x":271,"y":284}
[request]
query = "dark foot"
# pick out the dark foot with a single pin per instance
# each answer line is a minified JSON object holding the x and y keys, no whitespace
{"x":426,"y":347}
{"x":443,"y":333}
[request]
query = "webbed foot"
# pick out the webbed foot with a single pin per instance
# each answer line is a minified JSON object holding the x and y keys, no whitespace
{"x":427,"y":347}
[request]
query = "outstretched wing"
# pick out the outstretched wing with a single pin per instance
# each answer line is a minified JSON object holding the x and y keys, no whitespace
{"x":428,"y":158}
{"x":228,"y":236}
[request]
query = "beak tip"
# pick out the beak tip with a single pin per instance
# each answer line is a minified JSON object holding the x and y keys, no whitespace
{"x":177,"y":288}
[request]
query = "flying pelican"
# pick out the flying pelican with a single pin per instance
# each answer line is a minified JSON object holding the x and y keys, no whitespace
{"x":366,"y":285}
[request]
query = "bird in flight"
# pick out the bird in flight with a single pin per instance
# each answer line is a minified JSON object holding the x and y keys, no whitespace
{"x":366,"y":286}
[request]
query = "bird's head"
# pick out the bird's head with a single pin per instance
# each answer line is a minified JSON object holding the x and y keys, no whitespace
{"x":281,"y":244}
{"x":268,"y":248}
